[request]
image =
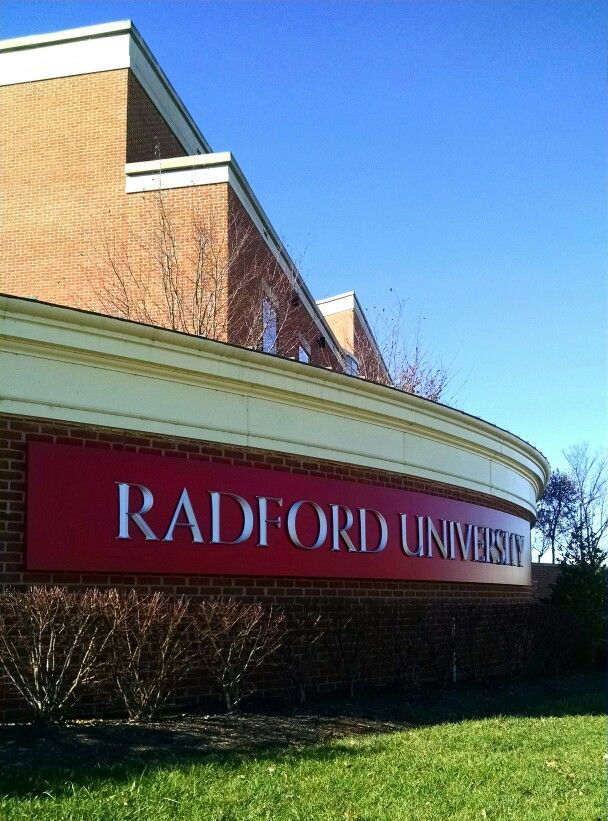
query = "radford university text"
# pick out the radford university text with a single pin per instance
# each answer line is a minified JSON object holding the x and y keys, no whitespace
{"x":95,"y":509}
{"x":230,"y":519}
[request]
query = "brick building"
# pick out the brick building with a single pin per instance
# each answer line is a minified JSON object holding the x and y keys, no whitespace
{"x":105,"y":173}
{"x":109,"y":191}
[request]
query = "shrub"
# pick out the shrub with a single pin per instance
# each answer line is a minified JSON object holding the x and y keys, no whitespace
{"x":150,"y":648}
{"x":406,"y":645}
{"x":580,"y":590}
{"x":302,"y":646}
{"x":51,"y":640}
{"x":236,"y":638}
{"x":345,"y":640}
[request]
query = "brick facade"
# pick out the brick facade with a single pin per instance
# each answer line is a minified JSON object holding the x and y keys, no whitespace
{"x":290,"y":593}
{"x":72,"y":236}
{"x":63,"y":150}
{"x":544,"y":577}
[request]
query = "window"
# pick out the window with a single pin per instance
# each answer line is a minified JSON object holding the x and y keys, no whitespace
{"x":303,"y":351}
{"x":352,"y":366}
{"x":269,"y":326}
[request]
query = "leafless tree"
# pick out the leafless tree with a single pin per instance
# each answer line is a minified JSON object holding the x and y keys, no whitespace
{"x":406,"y":364}
{"x":589,"y":475}
{"x":236,"y":638}
{"x":150,"y":648}
{"x":211,"y":275}
{"x":207,"y":275}
{"x":51,"y":640}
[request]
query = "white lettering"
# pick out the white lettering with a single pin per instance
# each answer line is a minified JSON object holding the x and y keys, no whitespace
{"x":363,"y":530}
{"x":292,"y":525}
{"x":184,"y":505}
{"x":124,"y":490}
{"x":246,"y":510}
{"x":264,"y":520}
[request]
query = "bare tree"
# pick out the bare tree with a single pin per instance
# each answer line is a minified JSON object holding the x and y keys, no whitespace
{"x":405,"y":363}
{"x":588,"y":543}
{"x":211,"y":275}
{"x":150,"y":648}
{"x":208,"y":275}
{"x":236,"y":638}
{"x":51,"y":640}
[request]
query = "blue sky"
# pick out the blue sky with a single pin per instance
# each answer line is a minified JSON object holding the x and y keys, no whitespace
{"x":452,"y":152}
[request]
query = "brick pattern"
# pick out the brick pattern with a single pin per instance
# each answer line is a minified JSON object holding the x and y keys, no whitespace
{"x":370,"y":364}
{"x":544,"y":577}
{"x":289,"y":593}
{"x":62,"y":175}
{"x":72,"y":236}
{"x":148,"y":135}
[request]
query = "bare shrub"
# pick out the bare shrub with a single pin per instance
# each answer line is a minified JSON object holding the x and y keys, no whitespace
{"x":345,"y":642}
{"x":476,"y":643}
{"x":51,"y":640}
{"x":407,"y":643}
{"x":150,"y":649}
{"x":515,"y":636}
{"x":236,"y":638}
{"x":559,"y":641}
{"x":441,"y":632}
{"x":302,"y":645}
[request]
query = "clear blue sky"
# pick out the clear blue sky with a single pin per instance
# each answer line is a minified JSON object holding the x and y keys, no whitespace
{"x":454,"y":152}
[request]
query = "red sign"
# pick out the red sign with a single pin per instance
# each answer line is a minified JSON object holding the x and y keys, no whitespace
{"x":116,"y":512}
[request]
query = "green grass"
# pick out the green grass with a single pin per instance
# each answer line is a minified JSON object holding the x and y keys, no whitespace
{"x":506,"y":767}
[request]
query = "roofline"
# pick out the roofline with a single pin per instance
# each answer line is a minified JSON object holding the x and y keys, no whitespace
{"x":67,"y":35}
{"x":269,"y":235}
{"x":40,"y":313}
{"x":108,"y":30}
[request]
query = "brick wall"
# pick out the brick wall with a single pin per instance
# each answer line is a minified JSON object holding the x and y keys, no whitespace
{"x":148,"y":135}
{"x":371,"y":597}
{"x":370,"y":364}
{"x":72,"y":236}
{"x":62,"y":174}
{"x":66,"y":219}
{"x":543,"y":579}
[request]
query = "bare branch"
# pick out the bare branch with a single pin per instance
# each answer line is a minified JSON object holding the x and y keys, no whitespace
{"x":236,"y":638}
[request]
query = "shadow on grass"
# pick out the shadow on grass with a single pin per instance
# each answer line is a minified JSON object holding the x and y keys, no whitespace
{"x":38,"y":761}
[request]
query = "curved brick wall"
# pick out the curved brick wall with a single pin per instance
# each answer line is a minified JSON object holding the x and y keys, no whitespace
{"x":289,"y":593}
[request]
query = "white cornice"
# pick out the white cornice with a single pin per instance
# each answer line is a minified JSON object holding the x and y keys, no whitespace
{"x":65,"y":36}
{"x":221,"y":167}
{"x":59,"y":363}
{"x":95,"y":49}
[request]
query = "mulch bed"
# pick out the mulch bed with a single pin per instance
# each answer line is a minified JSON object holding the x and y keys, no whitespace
{"x":189,"y":737}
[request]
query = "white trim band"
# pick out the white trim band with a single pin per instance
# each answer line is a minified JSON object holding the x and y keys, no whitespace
{"x":63,"y":364}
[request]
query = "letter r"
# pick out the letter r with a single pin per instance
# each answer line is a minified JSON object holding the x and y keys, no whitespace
{"x":124,"y":490}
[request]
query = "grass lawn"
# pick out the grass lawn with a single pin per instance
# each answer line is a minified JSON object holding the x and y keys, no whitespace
{"x":547,"y":762}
